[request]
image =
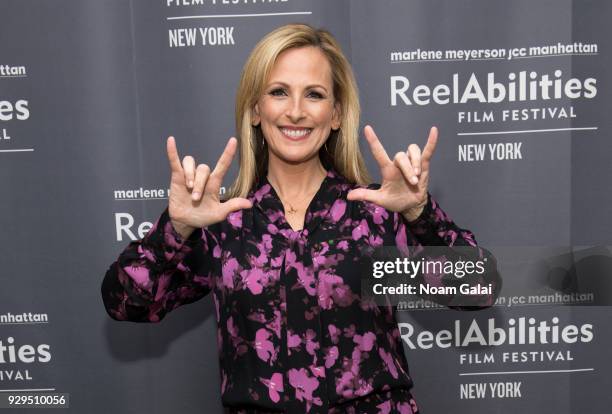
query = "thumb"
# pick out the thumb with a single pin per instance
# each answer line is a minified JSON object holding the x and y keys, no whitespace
{"x":234,"y":204}
{"x":364,"y":194}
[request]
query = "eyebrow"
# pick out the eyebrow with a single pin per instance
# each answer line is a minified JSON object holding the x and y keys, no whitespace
{"x":314,"y":85}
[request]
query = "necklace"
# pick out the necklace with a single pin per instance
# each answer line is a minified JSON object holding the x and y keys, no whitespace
{"x":293,"y":210}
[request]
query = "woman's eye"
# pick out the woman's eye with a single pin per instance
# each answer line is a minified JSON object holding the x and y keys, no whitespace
{"x":277,"y":92}
{"x":281,"y":92}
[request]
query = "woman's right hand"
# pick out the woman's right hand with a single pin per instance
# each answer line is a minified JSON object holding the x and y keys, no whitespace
{"x":194,"y":191}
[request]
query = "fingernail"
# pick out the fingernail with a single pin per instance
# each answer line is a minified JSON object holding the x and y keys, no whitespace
{"x":414,"y":179}
{"x":190,"y":183}
{"x":195,"y":195}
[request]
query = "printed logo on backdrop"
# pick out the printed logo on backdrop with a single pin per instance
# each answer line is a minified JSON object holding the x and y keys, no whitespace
{"x":491,"y":352}
{"x":186,"y":16}
{"x":9,"y":71}
{"x":21,"y":361}
{"x":532,"y":334}
{"x":511,"y":102}
{"x":12,"y":111}
{"x":127,"y":227}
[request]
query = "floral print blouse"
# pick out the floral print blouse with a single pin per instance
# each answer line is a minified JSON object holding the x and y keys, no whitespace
{"x":293,"y":332}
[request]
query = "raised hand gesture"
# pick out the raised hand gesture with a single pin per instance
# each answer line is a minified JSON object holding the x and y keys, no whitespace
{"x":194,"y":191}
{"x":404,"y":179}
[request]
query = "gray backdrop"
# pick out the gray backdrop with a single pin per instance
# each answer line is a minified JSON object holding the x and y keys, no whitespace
{"x":90,"y":89}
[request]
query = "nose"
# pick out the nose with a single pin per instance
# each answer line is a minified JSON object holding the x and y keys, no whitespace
{"x":295,"y":111}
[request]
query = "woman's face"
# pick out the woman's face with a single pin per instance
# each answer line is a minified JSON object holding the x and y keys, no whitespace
{"x":297,"y":110}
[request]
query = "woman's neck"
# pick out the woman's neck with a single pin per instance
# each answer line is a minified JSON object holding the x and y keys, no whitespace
{"x":292,"y":181}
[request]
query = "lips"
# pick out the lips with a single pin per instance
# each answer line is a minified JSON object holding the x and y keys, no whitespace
{"x":295,"y":134}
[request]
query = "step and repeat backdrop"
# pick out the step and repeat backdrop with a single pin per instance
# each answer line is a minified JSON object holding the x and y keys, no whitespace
{"x":90,"y":90}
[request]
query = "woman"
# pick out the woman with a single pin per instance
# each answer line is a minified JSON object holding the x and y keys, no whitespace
{"x":280,"y":254}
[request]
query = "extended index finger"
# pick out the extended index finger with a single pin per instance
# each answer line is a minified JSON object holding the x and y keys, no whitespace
{"x":430,"y":147}
{"x":173,"y":157}
{"x":378,"y":151}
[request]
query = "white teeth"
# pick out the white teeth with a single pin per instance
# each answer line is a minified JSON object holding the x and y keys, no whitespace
{"x":295,"y":133}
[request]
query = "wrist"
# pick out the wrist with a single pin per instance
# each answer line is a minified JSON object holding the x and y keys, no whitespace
{"x":413,"y":213}
{"x":182,"y":229}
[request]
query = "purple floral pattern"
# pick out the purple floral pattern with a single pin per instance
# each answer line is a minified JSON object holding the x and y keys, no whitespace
{"x":293,"y":333}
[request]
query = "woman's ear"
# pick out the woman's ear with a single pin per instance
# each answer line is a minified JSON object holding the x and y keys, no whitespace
{"x":256,"y":119}
{"x":335,"y":124}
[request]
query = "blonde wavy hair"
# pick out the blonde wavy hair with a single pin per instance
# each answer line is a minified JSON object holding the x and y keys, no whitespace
{"x":341,"y":150}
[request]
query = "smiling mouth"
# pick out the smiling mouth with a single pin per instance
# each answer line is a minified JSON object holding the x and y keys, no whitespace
{"x":296,"y":134}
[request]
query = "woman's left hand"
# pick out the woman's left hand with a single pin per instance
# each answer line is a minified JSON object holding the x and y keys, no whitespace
{"x":404,"y":179}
